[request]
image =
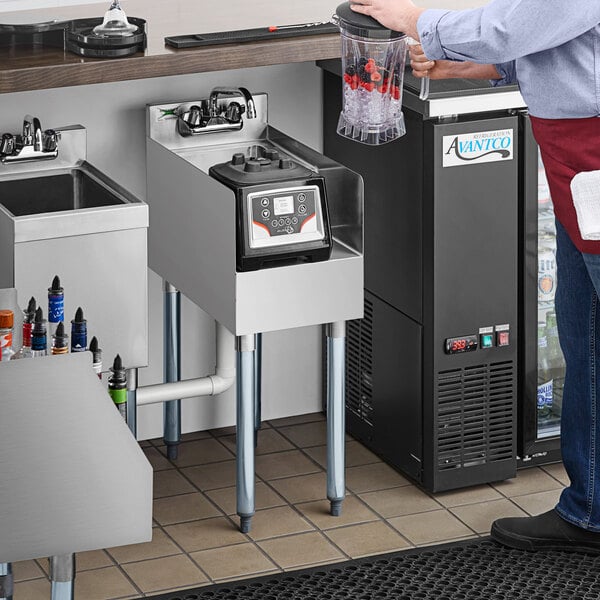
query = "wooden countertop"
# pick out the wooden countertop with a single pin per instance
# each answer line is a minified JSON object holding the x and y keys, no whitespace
{"x":34,"y":68}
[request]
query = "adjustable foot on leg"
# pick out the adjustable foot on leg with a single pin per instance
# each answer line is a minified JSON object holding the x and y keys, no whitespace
{"x":245,"y":524}
{"x":336,"y":508}
{"x":172,"y":451}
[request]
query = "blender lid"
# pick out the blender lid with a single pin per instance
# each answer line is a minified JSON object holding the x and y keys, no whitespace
{"x":362,"y":25}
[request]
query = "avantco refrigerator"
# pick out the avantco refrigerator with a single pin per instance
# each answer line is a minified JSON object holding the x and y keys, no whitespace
{"x":442,"y":372}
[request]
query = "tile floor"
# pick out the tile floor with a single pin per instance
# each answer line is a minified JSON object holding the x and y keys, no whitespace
{"x":196,"y":539}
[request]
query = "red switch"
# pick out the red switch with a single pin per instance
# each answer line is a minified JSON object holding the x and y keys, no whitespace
{"x":502,"y":338}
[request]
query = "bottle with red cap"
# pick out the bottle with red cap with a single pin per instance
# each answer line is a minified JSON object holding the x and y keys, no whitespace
{"x":7,"y":320}
{"x":28,"y":317}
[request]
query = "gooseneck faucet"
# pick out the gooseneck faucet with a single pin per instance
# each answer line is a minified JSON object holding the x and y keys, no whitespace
{"x":223,"y":91}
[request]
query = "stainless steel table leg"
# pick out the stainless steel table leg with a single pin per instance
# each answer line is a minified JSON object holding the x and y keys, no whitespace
{"x":257,"y":388}
{"x":172,"y":367}
{"x":62,"y":576}
{"x":336,"y":427}
{"x":132,"y":384}
{"x":6,"y":581}
{"x":246,"y":369}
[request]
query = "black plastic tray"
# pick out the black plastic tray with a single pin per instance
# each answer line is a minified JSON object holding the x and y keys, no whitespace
{"x":248,"y":35}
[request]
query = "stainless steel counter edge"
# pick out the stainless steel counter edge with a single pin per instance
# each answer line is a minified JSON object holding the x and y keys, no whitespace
{"x":464,"y":104}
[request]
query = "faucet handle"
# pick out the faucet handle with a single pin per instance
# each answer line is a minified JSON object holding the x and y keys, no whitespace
{"x":7,"y":145}
{"x":234,"y":111}
{"x":195,"y":116}
{"x":50,"y":140}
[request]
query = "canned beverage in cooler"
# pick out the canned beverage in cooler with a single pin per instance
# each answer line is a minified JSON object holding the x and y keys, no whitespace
{"x":556,"y":362}
{"x":544,"y":382}
{"x":546,"y":268}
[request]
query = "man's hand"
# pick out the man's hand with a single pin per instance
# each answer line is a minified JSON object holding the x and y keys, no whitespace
{"x":397,"y":15}
{"x":447,"y":69}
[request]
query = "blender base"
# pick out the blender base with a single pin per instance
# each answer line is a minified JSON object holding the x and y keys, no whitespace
{"x":372,"y":135}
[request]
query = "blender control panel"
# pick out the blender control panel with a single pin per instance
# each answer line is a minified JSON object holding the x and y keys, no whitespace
{"x":284,"y":216}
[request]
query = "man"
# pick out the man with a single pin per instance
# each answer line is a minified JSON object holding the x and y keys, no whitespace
{"x":551,"y":48}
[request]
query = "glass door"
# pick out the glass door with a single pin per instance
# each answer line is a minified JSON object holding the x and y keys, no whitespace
{"x":550,"y":361}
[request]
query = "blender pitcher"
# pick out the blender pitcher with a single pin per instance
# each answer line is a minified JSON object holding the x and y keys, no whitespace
{"x":373,"y":60}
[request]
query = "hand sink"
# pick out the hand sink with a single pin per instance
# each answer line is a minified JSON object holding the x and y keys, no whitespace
{"x":74,"y":190}
{"x":74,"y":200}
{"x":65,"y":217}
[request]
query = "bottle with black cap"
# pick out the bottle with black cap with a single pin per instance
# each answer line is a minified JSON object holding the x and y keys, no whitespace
{"x":117,"y":386}
{"x":373,"y":61}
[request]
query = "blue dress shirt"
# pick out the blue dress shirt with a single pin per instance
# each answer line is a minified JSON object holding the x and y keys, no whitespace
{"x":551,"y":48}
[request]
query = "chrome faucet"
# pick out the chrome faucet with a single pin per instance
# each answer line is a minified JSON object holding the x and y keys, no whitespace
{"x":217,"y":92}
{"x":208,"y":117}
{"x":32,"y":144}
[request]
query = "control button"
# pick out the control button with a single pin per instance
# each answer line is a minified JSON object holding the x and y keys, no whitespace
{"x":272,"y":154}
{"x":487,"y":340}
{"x":264,"y":201}
{"x":301,"y":197}
{"x":274,"y":222}
{"x":266,"y":213}
{"x":302,"y":209}
{"x":281,"y":222}
{"x":502,"y":338}
{"x":286,"y":163}
{"x":288,"y":221}
{"x":238,"y":159}
{"x":295,"y":220}
{"x":289,"y":229}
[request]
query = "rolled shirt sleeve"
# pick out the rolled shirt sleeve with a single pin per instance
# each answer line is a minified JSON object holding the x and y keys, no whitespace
{"x":507,"y":72}
{"x":503,"y":30}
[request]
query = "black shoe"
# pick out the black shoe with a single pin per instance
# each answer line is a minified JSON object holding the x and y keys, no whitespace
{"x":547,"y":531}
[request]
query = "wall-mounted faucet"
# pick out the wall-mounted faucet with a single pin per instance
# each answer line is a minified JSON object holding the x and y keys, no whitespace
{"x":208,"y":116}
{"x":32,"y":144}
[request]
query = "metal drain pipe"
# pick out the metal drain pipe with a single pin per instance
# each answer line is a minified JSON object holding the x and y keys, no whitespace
{"x":210,"y":385}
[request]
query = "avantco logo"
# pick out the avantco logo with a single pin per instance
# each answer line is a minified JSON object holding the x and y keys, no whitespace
{"x":475,"y":148}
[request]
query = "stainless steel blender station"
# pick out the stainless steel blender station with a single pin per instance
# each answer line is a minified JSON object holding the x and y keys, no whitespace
{"x":56,"y":208}
{"x":38,"y":65}
{"x":262,"y":233}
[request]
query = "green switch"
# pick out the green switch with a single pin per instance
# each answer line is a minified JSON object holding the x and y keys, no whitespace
{"x":487,"y":340}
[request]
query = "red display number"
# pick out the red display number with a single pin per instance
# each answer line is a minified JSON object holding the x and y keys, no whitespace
{"x":461,"y":344}
{"x":458,"y":345}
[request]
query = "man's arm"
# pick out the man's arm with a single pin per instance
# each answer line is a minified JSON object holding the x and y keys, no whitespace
{"x":497,"y":32}
{"x":448,"y":69}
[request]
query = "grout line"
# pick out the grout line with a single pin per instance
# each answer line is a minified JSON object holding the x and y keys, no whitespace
{"x":287,"y":503}
{"x":186,"y":554}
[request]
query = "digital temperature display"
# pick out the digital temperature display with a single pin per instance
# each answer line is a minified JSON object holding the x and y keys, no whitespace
{"x":455,"y":345}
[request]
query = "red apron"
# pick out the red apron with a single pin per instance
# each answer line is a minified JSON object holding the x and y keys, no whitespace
{"x":568,"y":146}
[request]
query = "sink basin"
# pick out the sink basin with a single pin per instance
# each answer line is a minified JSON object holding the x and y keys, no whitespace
{"x":74,"y":190}
{"x":72,"y":220}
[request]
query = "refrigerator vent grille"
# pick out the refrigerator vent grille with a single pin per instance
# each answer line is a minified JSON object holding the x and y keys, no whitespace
{"x":359,"y":365}
{"x":475,"y":415}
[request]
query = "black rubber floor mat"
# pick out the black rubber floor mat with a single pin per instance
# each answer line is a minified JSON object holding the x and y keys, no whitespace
{"x":472,"y":570}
